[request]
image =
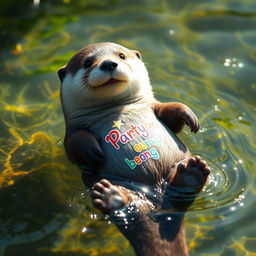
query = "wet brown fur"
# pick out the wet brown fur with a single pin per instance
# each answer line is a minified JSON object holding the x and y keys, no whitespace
{"x":79,"y":141}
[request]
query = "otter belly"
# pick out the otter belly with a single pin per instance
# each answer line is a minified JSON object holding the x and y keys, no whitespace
{"x":138,"y":146}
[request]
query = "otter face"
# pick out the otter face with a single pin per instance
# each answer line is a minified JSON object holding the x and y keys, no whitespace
{"x":103,"y":73}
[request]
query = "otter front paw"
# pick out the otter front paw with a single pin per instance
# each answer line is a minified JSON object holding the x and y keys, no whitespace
{"x":189,"y":118}
{"x":175,"y":115}
{"x":83,"y":148}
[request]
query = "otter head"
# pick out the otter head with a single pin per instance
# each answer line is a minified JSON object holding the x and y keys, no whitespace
{"x":103,"y":74}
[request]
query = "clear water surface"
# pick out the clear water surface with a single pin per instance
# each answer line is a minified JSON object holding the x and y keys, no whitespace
{"x":201,"y":53}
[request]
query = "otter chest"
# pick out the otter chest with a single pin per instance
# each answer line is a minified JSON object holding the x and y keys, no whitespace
{"x":140,"y":140}
{"x":137,"y":145}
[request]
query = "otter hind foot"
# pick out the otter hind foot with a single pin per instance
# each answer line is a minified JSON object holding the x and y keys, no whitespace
{"x":107,"y":197}
{"x":191,"y":174}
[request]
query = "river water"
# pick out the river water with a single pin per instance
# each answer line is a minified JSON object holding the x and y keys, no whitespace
{"x":201,"y":53}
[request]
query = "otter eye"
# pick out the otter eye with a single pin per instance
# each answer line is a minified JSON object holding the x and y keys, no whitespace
{"x":122,"y":56}
{"x":88,"y":63}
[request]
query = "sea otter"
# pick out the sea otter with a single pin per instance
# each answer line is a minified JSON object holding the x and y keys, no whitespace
{"x":116,"y":130}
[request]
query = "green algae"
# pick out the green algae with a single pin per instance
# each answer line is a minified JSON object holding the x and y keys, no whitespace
{"x":200,"y":54}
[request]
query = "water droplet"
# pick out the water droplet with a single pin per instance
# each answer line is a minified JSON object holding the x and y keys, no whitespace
{"x":36,"y":3}
{"x":233,"y":63}
{"x":233,"y":208}
{"x":216,"y":108}
{"x":144,"y":189}
{"x":171,"y":32}
{"x":84,"y":229}
{"x":93,"y":216}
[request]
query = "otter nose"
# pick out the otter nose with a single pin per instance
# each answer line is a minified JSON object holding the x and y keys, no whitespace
{"x":108,"y":65}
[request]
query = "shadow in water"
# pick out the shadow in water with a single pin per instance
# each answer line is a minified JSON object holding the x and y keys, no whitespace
{"x":153,"y":221}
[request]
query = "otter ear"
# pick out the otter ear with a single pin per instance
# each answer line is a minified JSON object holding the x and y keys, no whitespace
{"x":62,"y":73}
{"x":137,"y":53}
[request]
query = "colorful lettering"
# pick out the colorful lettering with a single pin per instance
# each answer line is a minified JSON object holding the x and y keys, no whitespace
{"x":146,"y":144}
{"x":142,"y":157}
{"x":137,"y":148}
{"x":150,"y":125}
{"x":124,"y":139}
{"x":113,"y":138}
{"x":153,"y":152}
{"x":144,"y":133}
{"x":131,"y":163}
{"x":149,"y":142}
{"x":137,"y":160}
{"x":144,"y":148}
{"x":143,"y":145}
{"x":134,"y":128}
{"x":130,"y":133}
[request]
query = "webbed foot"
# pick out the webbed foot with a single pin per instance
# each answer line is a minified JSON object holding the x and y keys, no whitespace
{"x":191,"y":173}
{"x":107,"y":197}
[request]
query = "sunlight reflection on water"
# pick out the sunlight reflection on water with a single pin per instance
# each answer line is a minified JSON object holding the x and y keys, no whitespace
{"x":203,"y":56}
